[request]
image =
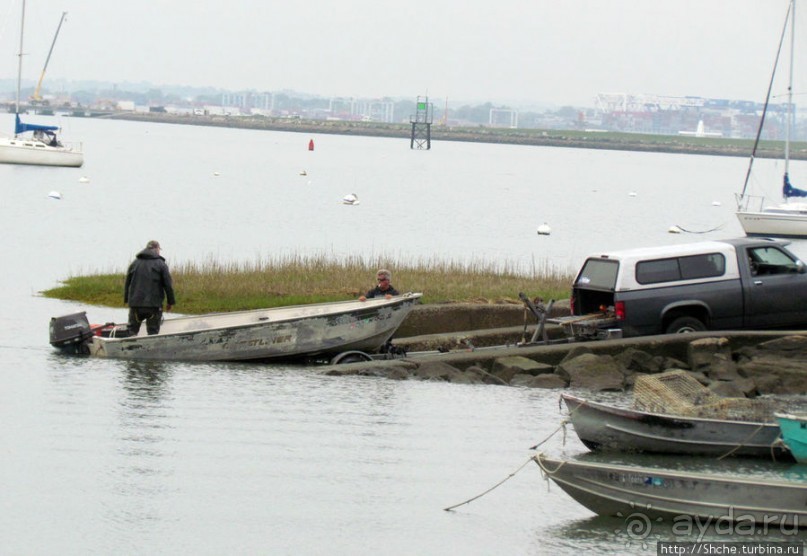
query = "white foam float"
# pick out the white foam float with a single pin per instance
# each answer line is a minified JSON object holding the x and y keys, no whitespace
{"x":350,"y":199}
{"x":632,"y":194}
{"x":55,"y":195}
{"x":84,"y":179}
{"x":674,"y":230}
{"x":544,"y":229}
{"x":216,"y":174}
{"x":716,"y":203}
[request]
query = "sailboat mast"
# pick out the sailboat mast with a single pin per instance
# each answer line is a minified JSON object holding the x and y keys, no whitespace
{"x":790,"y":85}
{"x":19,"y":63}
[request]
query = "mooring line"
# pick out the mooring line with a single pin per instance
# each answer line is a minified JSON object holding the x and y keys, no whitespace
{"x":510,"y":476}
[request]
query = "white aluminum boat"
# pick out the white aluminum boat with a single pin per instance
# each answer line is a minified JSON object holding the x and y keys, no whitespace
{"x":300,"y":331}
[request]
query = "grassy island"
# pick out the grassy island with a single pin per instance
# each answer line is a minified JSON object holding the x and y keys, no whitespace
{"x":216,"y":287}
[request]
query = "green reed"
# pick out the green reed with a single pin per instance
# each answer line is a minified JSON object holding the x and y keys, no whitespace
{"x":214,"y":286}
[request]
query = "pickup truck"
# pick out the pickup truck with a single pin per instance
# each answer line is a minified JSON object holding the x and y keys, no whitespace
{"x":716,"y":285}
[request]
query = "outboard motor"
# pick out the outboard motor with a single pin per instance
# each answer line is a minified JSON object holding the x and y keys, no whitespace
{"x":70,"y":332}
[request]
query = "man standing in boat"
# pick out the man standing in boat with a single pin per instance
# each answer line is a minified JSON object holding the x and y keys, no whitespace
{"x":148,"y":281}
{"x":383,"y":288}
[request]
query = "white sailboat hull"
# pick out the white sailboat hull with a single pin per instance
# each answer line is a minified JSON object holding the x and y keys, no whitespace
{"x":22,"y":151}
{"x":785,"y":221}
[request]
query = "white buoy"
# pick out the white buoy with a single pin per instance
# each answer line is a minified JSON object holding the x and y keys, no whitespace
{"x":303,"y":173}
{"x":674,"y":230}
{"x":350,"y":199}
{"x":632,"y":194}
{"x":716,"y":203}
{"x":216,"y":174}
{"x":84,"y":179}
{"x":544,"y":229}
{"x":55,"y":195}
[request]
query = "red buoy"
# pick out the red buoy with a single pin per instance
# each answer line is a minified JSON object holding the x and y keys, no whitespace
{"x":311,"y":145}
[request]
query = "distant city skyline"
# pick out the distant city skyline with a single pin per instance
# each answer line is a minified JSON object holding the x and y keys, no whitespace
{"x":516,"y":52}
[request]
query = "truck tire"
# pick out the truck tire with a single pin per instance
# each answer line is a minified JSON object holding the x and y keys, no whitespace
{"x":683,"y":325}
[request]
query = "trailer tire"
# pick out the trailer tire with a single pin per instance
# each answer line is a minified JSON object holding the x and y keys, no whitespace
{"x":351,"y":357}
{"x":685,"y":325}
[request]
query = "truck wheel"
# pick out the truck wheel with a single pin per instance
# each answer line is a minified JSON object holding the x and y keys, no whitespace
{"x":683,"y":325}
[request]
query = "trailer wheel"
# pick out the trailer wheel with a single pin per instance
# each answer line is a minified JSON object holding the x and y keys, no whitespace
{"x":684,"y":325}
{"x":351,"y":357}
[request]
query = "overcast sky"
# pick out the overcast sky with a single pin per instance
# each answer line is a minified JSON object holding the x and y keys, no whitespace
{"x":505,"y":51}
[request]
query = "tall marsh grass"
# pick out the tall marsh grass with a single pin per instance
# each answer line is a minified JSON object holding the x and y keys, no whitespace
{"x":213,"y":286}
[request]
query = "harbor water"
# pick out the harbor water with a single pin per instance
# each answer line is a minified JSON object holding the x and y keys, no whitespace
{"x":103,"y":457}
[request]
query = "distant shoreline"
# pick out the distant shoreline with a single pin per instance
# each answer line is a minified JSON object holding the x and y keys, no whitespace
{"x":531,"y":137}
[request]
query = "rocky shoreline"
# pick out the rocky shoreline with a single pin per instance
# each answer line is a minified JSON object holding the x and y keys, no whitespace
{"x":733,"y":365}
{"x":531,"y":137}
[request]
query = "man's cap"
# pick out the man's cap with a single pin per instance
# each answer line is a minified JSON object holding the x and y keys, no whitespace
{"x":153,"y":244}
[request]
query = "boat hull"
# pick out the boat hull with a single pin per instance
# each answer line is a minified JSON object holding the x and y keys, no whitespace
{"x":20,"y":151}
{"x":774,"y":224}
{"x":794,"y":434}
{"x":281,"y":333}
{"x":613,"y":429}
{"x":618,"y":490}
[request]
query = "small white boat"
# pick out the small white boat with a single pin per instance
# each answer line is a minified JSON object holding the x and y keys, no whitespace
{"x":300,"y":331}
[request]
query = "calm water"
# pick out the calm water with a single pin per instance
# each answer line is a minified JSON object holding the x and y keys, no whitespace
{"x":109,"y":456}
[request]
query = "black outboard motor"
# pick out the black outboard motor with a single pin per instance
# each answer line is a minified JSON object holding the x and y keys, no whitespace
{"x":70,"y":333}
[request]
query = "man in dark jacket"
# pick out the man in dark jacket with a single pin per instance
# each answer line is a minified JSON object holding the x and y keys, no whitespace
{"x":147,"y":281}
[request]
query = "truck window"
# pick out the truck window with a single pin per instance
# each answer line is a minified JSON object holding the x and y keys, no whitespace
{"x":707,"y":265}
{"x":770,"y":260}
{"x":598,"y":273}
{"x":703,"y":266}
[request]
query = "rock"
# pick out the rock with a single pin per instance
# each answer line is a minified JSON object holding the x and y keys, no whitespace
{"x":702,"y":352}
{"x":397,"y":371}
{"x":640,"y":361}
{"x":576,"y":351}
{"x":545,"y":381}
{"x":722,"y":368}
{"x":673,"y":363}
{"x":436,"y":370}
{"x":726,"y":389}
{"x":776,"y":375}
{"x":520,"y":365}
{"x":483,"y":376}
{"x":792,"y":347}
{"x":592,"y":372}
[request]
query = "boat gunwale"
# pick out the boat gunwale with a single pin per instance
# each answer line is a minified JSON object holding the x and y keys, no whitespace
{"x":662,"y":472}
{"x":628,"y":412}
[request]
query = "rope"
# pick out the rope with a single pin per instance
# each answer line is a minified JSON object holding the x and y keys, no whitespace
{"x":562,"y":426}
{"x":743,"y":441}
{"x":497,"y":485}
{"x":699,"y":232}
{"x":537,"y":458}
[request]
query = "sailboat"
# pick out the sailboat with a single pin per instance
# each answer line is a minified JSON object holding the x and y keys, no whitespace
{"x":33,"y":143}
{"x":788,"y":219}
